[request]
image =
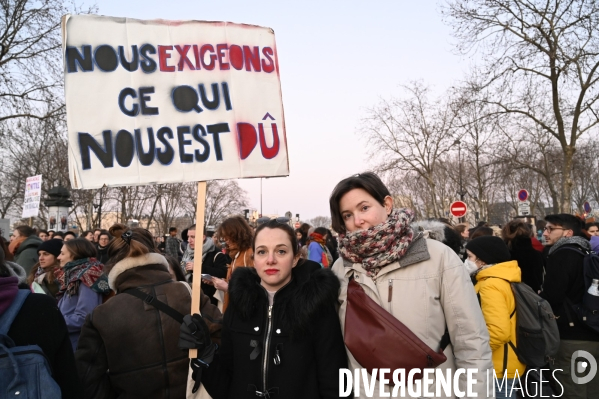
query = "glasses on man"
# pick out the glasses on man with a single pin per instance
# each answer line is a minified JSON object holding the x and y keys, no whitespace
{"x":550,"y":229}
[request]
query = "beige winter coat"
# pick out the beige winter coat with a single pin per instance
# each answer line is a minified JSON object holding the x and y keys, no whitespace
{"x":430,"y":289}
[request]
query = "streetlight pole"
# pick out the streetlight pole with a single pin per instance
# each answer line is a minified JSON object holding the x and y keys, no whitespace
{"x":461,"y":193}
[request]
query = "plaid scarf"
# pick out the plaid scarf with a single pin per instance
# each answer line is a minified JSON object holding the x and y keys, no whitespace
{"x":379,"y":245}
{"x":87,"y":271}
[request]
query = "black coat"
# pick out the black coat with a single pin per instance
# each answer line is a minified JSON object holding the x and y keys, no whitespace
{"x":529,"y":260}
{"x":564,"y":285}
{"x":214,"y":264}
{"x":102,"y":254}
{"x":40,"y":323}
{"x":305,"y":335}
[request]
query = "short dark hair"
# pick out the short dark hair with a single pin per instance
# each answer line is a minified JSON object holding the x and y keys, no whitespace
{"x":25,"y":230}
{"x":41,"y":231}
{"x":104,"y":233}
{"x":59,"y":233}
{"x":170,"y":230}
{"x":591,"y":224}
{"x":273,"y":224}
{"x":321,"y":230}
{"x":80,"y":248}
{"x":70,"y":233}
{"x":567,"y":221}
{"x":97,"y":230}
{"x":368,"y":182}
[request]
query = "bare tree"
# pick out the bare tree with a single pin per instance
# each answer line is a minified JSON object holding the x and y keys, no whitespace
{"x":540,"y":65}
{"x":30,"y":58}
{"x":411,"y":133}
{"x":320,"y":221}
{"x":223,"y":198}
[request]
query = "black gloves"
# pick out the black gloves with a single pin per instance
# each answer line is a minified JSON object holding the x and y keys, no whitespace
{"x":195,"y":335}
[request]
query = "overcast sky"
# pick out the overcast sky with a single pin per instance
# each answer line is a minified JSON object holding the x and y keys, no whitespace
{"x":336,"y":59}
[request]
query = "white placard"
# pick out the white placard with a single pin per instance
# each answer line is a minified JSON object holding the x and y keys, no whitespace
{"x":524,"y":208}
{"x":171,"y":101}
{"x":33,"y":194}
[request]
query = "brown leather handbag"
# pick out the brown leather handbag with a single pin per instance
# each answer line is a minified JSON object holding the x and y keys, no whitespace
{"x":377,"y":339}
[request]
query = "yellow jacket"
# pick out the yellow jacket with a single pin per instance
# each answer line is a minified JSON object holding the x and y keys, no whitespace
{"x":498,"y":303}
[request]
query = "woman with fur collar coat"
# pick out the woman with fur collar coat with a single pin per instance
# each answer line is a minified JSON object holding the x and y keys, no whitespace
{"x":281,"y":337}
{"x":128,"y":348}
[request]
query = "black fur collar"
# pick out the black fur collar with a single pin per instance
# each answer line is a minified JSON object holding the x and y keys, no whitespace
{"x":307,"y":295}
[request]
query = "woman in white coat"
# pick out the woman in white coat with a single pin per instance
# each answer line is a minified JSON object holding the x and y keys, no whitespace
{"x":420,"y":281}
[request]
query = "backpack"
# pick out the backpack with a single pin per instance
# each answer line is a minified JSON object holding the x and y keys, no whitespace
{"x":537,"y":336}
{"x":587,"y":311}
{"x":24,"y":370}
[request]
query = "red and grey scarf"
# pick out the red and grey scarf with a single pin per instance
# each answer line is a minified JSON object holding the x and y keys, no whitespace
{"x":87,"y":271}
{"x":379,"y":245}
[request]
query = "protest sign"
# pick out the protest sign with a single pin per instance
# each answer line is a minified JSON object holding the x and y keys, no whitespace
{"x":33,"y":194}
{"x":171,"y":101}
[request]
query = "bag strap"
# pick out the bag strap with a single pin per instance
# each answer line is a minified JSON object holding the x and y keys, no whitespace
{"x":579,"y":251}
{"x":11,"y":313}
{"x":151,"y":300}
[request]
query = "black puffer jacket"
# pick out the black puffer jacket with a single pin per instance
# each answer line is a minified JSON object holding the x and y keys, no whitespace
{"x":127,"y":348}
{"x":300,"y":345}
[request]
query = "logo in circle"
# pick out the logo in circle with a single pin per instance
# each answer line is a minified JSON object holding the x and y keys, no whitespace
{"x":582,"y":366}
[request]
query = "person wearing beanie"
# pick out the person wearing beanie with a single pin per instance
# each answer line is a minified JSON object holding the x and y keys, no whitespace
{"x":42,"y":277}
{"x":489,"y":262}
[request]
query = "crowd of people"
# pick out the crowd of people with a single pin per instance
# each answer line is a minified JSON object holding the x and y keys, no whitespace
{"x":274,"y":306}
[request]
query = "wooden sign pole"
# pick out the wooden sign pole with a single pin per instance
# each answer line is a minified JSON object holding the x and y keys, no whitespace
{"x":197,"y":259}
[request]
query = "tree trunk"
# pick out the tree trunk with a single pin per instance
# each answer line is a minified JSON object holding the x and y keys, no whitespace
{"x":566,"y":205}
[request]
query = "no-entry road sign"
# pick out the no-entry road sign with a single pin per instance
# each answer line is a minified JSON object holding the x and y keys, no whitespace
{"x":458,"y":209}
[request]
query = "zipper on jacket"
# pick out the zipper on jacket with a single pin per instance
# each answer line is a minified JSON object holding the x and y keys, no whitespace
{"x":266,"y":347}
{"x":390,"y":295}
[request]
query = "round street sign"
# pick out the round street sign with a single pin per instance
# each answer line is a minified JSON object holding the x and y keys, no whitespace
{"x":587,"y":207}
{"x":522,"y":195}
{"x":297,"y":225}
{"x":458,"y":209}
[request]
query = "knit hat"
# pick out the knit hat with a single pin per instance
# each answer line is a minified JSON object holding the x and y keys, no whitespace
{"x":489,"y":249}
{"x":52,"y":246}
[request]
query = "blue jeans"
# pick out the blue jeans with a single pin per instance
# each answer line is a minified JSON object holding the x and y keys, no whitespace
{"x":506,"y":389}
